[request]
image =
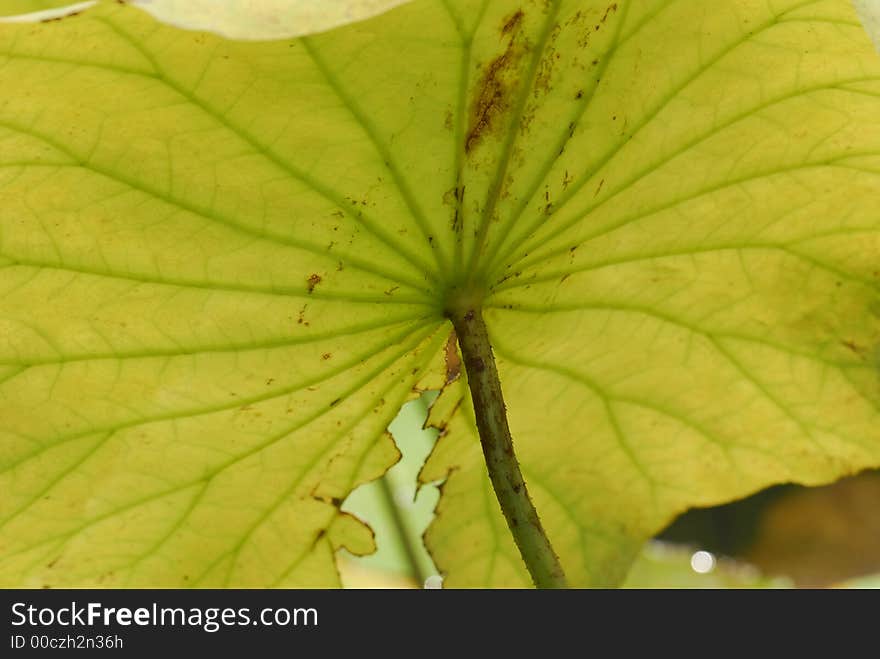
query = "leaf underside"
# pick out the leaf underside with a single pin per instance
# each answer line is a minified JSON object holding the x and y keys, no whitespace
{"x":223,"y":268}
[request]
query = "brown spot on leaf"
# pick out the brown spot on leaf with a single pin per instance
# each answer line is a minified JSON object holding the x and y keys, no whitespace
{"x":313,"y":281}
{"x":612,"y":8}
{"x":301,"y":319}
{"x":61,"y":18}
{"x":567,"y":179}
{"x":453,"y":361}
{"x":513,"y":22}
{"x":547,"y":64}
{"x":854,"y":347}
{"x":453,"y":197}
{"x":493,"y":92}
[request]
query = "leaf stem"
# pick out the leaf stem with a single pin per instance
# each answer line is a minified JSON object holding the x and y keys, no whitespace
{"x":404,"y":533}
{"x":504,"y":472}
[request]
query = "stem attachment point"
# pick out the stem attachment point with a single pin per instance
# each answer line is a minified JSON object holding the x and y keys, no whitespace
{"x":504,"y":472}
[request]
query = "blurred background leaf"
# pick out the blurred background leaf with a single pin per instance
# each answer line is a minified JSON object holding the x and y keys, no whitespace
{"x":40,"y":9}
{"x":264,"y":19}
{"x":869,"y":11}
{"x":396,"y":511}
{"x":235,"y":19}
{"x":664,"y":565}
{"x":818,"y":537}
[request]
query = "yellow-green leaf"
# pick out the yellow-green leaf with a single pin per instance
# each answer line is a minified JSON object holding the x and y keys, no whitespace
{"x":685,"y":305}
{"x":223,"y":268}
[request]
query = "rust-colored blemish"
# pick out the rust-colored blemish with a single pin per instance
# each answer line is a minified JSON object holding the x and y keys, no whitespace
{"x":513,"y":23}
{"x":567,"y":180}
{"x":453,"y":361}
{"x":454,"y":197}
{"x":854,"y":347}
{"x":61,"y":18}
{"x":313,"y":281}
{"x":548,"y":63}
{"x":301,"y":319}
{"x":492,"y":96}
{"x":612,"y":8}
